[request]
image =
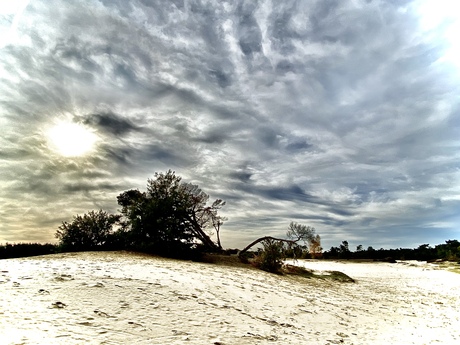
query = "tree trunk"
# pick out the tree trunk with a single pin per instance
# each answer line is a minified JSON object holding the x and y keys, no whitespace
{"x":218,"y":239}
{"x":201,"y":235}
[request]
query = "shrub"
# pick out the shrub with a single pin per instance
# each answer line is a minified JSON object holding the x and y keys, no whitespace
{"x":271,"y":257}
{"x":87,"y":232}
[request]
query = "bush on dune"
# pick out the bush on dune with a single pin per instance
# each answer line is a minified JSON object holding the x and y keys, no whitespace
{"x":91,"y":231}
{"x":271,"y":257}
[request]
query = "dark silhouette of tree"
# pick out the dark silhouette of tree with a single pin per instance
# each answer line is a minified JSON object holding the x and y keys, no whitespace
{"x":344,"y":250}
{"x":88,"y":232}
{"x":371,"y":252}
{"x":450,"y":250}
{"x":424,"y":252}
{"x":217,"y":222}
{"x":332,"y":253}
{"x":18,"y":250}
{"x":170,"y":216}
{"x":299,"y":232}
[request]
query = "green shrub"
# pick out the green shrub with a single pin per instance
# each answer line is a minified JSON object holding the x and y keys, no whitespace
{"x":271,"y":257}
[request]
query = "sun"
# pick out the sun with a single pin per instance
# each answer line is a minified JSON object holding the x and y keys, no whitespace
{"x":71,"y":139}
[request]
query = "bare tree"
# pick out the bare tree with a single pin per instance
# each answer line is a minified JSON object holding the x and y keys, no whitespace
{"x":299,"y":232}
{"x":217,"y":221}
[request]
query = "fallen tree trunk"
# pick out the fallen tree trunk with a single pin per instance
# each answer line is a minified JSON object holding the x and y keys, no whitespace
{"x":265,"y":238}
{"x":203,"y":237}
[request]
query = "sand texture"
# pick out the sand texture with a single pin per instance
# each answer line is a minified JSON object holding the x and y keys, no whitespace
{"x":122,"y":298}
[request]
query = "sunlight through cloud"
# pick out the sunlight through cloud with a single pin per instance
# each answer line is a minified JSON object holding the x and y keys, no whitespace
{"x":443,"y":19}
{"x":7,"y":8}
{"x":71,"y":139}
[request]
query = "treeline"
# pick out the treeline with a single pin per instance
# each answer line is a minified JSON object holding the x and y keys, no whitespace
{"x":172,"y":218}
{"x":18,"y":250}
{"x":447,"y":251}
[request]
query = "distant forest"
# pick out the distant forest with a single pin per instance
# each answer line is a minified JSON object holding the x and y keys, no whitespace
{"x":447,"y":251}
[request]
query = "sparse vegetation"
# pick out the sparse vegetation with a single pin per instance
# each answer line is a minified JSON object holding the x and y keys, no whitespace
{"x":284,"y":269}
{"x":307,"y":273}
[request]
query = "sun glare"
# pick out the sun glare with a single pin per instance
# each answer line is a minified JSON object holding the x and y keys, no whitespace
{"x":443,"y":17}
{"x":13,"y":9}
{"x":71,"y":139}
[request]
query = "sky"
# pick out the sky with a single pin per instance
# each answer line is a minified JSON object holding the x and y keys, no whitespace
{"x":341,"y":115}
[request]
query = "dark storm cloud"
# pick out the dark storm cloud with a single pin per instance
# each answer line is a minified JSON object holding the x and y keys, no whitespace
{"x":212,"y":137}
{"x":111,"y":123}
{"x":294,"y":193}
{"x":298,"y":145}
{"x":222,"y":78}
{"x":71,"y":188}
{"x":250,"y":35}
{"x":241,"y":176}
{"x":170,"y":156}
{"x":337,"y":114}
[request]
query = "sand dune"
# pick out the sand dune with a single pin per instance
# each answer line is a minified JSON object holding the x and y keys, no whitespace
{"x":121,"y":298}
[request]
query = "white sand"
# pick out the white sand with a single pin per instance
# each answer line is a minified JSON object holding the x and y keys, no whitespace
{"x":119,"y":298}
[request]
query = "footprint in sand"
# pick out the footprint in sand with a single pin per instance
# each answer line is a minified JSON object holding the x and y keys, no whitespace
{"x":63,"y":277}
{"x":97,"y":285}
{"x":58,"y":305}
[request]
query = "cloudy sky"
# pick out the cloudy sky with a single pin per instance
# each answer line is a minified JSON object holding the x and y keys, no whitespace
{"x":342,"y":115}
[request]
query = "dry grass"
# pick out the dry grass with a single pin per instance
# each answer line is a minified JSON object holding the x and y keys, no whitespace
{"x":306,"y":273}
{"x":450,"y":266}
{"x":288,"y":270}
{"x":225,"y":260}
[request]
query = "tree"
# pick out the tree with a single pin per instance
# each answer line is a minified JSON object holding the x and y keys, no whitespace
{"x":90,"y":231}
{"x":345,"y":250}
{"x":332,"y":253}
{"x":217,"y":222}
{"x":271,"y":258}
{"x":170,"y":216}
{"x":19,"y":250}
{"x":296,"y":232}
{"x":450,"y":250}
{"x":315,"y":247}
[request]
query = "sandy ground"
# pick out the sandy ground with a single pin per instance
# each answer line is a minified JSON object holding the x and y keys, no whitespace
{"x":120,"y":298}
